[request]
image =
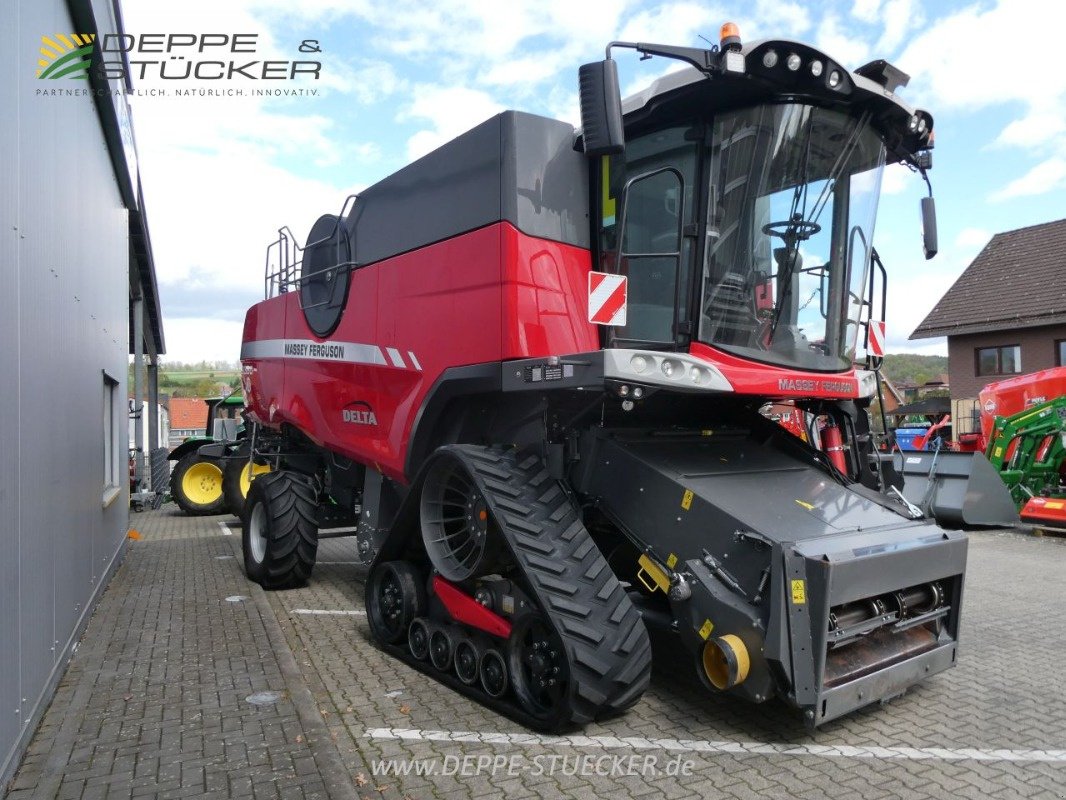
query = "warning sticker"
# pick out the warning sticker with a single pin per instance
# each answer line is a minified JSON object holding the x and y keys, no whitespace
{"x":671,"y":560}
{"x":877,"y":338}
{"x":607,"y":298}
{"x":706,"y":628}
{"x":799,"y":592}
{"x":686,"y":499}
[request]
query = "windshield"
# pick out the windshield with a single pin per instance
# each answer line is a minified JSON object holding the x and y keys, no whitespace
{"x":793,"y":196}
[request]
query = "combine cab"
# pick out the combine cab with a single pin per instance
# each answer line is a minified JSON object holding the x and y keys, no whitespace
{"x":527,"y":372}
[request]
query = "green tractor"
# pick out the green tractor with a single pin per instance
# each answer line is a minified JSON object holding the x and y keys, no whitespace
{"x":213,"y":473}
{"x":1028,"y":449}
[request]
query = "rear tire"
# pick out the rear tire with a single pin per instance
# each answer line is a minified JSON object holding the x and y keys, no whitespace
{"x":280,"y":535}
{"x":237,"y":478}
{"x":196,"y":485}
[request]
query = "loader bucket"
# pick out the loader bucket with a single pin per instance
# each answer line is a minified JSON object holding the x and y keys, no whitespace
{"x":959,"y":490}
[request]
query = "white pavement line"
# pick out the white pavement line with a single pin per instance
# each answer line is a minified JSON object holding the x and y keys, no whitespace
{"x":330,"y":612}
{"x":225,"y":528}
{"x":697,"y":746}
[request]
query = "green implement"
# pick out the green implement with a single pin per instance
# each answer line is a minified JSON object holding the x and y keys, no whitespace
{"x":1028,"y":449}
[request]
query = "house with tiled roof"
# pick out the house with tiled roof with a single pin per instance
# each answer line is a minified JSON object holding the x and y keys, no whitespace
{"x":188,"y":415}
{"x":1004,"y":316}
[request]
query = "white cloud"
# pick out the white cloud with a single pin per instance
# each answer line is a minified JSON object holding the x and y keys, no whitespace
{"x":972,"y":240}
{"x":192,"y":339}
{"x":524,"y":71}
{"x":674,"y":23}
{"x":898,"y":17}
{"x":910,"y":299}
{"x":1044,"y":177}
{"x":842,"y":45}
{"x":896,"y":180}
{"x":955,"y":68}
{"x":866,"y":10}
{"x":778,"y":18}
{"x":1036,"y":128}
{"x":449,"y":110}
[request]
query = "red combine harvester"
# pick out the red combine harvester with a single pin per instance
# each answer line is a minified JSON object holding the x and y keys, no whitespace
{"x":527,"y":371}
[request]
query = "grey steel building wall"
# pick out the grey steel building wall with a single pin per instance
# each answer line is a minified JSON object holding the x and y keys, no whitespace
{"x":64,"y":334}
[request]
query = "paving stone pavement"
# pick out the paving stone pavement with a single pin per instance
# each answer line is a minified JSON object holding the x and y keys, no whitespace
{"x":153,"y":703}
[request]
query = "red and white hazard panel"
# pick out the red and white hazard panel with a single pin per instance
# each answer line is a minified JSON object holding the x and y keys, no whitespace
{"x":607,"y":298}
{"x":876,"y":345}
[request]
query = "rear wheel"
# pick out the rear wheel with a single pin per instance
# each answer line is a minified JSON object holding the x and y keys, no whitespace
{"x":196,"y":485}
{"x":237,"y":477}
{"x":280,"y":536}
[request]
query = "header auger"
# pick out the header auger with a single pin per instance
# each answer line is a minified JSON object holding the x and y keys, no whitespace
{"x":527,"y":370}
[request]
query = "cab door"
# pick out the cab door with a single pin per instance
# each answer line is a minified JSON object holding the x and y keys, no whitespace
{"x":648,"y":206}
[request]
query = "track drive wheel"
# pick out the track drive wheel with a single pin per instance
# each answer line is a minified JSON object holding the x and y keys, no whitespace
{"x":237,"y":477}
{"x":395,"y":596}
{"x":196,"y":485}
{"x":280,"y":536}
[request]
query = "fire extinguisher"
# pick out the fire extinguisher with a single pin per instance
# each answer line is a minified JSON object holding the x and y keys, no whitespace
{"x":833,"y":445}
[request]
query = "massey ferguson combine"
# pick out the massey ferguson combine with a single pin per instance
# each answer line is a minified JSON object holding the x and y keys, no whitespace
{"x":527,"y":372}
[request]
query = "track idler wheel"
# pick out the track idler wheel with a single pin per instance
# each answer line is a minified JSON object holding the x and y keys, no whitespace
{"x":538,"y":668}
{"x":395,"y":596}
{"x":418,"y":639}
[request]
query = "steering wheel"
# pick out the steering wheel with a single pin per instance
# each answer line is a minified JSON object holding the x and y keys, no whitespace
{"x":792,"y":230}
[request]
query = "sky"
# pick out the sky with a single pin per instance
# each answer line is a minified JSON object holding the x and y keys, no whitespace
{"x":221,"y":175}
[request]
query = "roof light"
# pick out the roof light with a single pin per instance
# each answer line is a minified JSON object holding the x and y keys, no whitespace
{"x":729,"y":36}
{"x":834,"y":79}
{"x":913,"y":124}
{"x":769,"y":59}
{"x":793,"y":62}
{"x":816,"y":68}
{"x":733,"y":61}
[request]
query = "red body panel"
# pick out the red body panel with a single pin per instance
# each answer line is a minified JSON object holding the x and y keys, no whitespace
{"x":485,"y":296}
{"x":768,"y":380}
{"x":1010,"y":396}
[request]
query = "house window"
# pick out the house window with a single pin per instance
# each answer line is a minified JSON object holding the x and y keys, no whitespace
{"x":1060,"y":353}
{"x":112,"y":456}
{"x":1005,"y":360}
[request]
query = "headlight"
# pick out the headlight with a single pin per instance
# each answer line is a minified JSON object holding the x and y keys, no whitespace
{"x":769,"y":59}
{"x":793,"y":62}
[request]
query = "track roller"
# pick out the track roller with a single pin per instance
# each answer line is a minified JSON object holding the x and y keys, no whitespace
{"x":418,"y":638}
{"x":468,"y":651}
{"x":492,"y":670}
{"x":442,"y":646}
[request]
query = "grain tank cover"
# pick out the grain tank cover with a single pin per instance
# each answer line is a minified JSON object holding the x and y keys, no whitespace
{"x":515,"y":167}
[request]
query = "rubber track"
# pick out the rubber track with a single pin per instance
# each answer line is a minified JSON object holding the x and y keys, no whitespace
{"x":291,"y":502}
{"x":606,"y":643}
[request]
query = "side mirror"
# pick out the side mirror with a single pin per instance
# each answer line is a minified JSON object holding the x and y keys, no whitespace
{"x":601,"y":108}
{"x":929,"y":227}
